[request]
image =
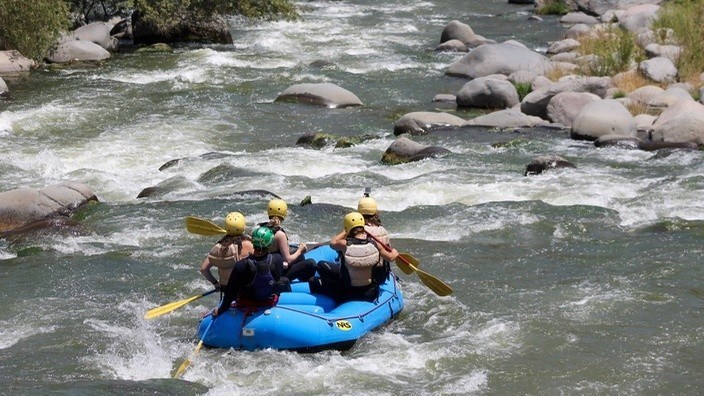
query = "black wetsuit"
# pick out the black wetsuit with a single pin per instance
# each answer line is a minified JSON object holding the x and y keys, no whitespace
{"x":250,"y":279}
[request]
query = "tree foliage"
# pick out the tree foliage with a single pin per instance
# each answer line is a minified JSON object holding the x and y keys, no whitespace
{"x":32,"y":27}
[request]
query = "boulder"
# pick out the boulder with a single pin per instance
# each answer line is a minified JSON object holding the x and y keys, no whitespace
{"x":645,"y":94}
{"x":23,"y":206}
{"x":501,"y":58}
{"x":3,"y":87}
{"x":12,"y":62}
{"x":320,"y":94}
{"x":561,"y":46}
{"x":604,"y":117}
{"x":564,"y":107}
{"x":453,"y":45}
{"x":574,"y":18}
{"x":404,"y":150}
{"x":669,"y":51}
{"x":536,"y":102}
{"x":681,"y":123}
{"x":638,"y":16}
{"x":487,"y":93}
{"x":96,"y":32}
{"x":78,"y":51}
{"x":545,"y":162}
{"x":669,"y":97}
{"x":508,"y":118}
{"x":212,"y":31}
{"x":420,"y":122}
{"x":577,"y":31}
{"x":456,"y":30}
{"x":445,"y":98}
{"x":626,"y":142}
{"x":659,"y":69}
{"x":644,"y":124}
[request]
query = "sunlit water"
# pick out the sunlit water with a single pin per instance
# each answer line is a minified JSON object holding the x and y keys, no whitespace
{"x":577,"y":281}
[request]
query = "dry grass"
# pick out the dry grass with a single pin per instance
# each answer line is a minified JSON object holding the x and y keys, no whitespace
{"x":557,"y":73}
{"x":631,"y":80}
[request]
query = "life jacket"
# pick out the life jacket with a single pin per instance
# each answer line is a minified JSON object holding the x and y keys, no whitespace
{"x":379,"y":232}
{"x":360,"y":258}
{"x":224,"y":259}
{"x":262,"y":286}
{"x":274,"y":229}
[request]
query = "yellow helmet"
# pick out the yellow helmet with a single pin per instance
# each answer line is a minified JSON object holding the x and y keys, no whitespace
{"x":352,"y":221}
{"x":277,"y":207}
{"x":367,"y":206}
{"x":234,"y":223}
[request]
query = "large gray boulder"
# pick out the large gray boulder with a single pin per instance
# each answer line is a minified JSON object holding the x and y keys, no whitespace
{"x":603,"y":117}
{"x":508,"y":118}
{"x":564,"y":107}
{"x":12,"y":62}
{"x":645,"y":94}
{"x":320,"y":94}
{"x":96,"y":32}
{"x":456,"y":30}
{"x":670,"y":97}
{"x":404,"y":150}
{"x":598,"y":7}
{"x":504,"y":58}
{"x":574,"y":18}
{"x":488,"y":93}
{"x":659,"y":69}
{"x":536,"y":102}
{"x":680,"y":123}
{"x":78,"y":51}
{"x":23,"y":206}
{"x":638,"y":17}
{"x":420,"y":122}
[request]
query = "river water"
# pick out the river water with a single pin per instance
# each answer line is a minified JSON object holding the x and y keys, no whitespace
{"x":576,"y":281}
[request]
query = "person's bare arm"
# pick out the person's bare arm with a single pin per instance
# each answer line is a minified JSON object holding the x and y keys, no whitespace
{"x":282,"y":242}
{"x":388,"y":255}
{"x":205,"y":267}
{"x":339,"y":242}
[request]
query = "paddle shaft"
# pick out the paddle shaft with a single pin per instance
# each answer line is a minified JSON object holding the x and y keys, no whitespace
{"x":166,"y":308}
{"x":187,"y":362}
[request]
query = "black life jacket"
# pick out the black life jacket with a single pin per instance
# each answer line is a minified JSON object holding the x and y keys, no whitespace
{"x":274,"y":229}
{"x":263,"y":284}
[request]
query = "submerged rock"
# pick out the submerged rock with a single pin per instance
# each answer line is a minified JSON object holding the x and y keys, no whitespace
{"x":404,"y":150}
{"x":420,"y":122}
{"x":540,"y":164}
{"x":323,"y":94}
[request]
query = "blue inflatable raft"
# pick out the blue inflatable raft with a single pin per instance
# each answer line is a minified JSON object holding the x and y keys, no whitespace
{"x":302,"y":321}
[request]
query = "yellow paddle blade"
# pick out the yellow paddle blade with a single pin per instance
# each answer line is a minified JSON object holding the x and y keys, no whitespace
{"x":203,"y":227}
{"x":182,"y":368}
{"x":158,"y":311}
{"x":403,"y":260}
{"x":164,"y":309}
{"x":436,"y":285}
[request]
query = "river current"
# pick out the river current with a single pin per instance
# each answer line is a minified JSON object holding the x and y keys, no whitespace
{"x":576,"y":281}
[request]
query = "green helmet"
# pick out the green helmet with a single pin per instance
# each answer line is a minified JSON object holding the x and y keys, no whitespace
{"x":262,"y":237}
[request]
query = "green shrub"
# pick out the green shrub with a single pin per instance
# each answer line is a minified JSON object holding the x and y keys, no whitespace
{"x":615,"y":50}
{"x":32,"y":27}
{"x":686,"y":20}
{"x":619,"y":94}
{"x":523,"y":89}
{"x":553,"y":7}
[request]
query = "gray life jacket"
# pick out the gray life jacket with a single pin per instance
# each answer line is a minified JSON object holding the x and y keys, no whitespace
{"x":360,"y":257}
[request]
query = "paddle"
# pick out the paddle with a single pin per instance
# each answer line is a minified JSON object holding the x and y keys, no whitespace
{"x":436,"y":285}
{"x":158,"y":311}
{"x":401,"y":262}
{"x":203,"y":227}
{"x":187,"y":362}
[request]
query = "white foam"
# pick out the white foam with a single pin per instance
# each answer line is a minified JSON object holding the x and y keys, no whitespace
{"x":13,"y":332}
